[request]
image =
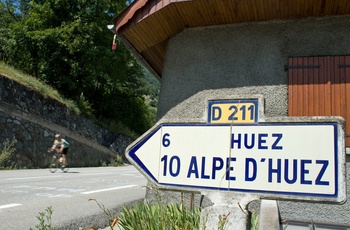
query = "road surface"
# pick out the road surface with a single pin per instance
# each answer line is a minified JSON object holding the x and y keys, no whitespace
{"x":26,"y":193}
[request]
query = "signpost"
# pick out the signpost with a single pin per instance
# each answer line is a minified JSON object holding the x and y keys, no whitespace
{"x":238,"y":155}
{"x":285,"y":160}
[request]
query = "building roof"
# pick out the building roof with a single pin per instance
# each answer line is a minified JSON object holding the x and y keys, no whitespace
{"x":146,"y":25}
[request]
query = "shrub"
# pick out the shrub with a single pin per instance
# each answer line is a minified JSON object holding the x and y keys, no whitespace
{"x":159,"y":216}
{"x":44,"y":218}
{"x":8,"y":148}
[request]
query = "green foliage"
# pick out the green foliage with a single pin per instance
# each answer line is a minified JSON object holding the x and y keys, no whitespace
{"x":254,"y":221}
{"x":37,"y":85}
{"x":65,"y":43}
{"x":118,"y":161}
{"x":8,"y":148}
{"x":151,"y":86}
{"x":45,"y":222}
{"x":85,"y":106}
{"x":159,"y":216}
{"x":118,"y":127}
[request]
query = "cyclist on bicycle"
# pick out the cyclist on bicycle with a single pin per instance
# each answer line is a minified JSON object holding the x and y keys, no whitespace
{"x":62,"y":147}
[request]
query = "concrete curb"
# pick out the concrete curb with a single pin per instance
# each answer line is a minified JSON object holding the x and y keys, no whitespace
{"x":96,"y":222}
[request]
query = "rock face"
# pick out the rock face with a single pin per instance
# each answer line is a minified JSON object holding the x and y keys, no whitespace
{"x":33,"y":120}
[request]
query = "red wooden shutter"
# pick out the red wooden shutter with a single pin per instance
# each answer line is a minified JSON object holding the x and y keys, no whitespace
{"x":319,"y":86}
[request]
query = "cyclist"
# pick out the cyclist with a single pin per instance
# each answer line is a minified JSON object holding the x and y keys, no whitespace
{"x":62,"y":147}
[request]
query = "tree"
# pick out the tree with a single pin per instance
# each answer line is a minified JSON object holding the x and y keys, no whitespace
{"x":66,"y":44}
{"x":7,"y":16}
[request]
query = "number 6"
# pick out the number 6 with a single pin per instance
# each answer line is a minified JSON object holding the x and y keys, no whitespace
{"x":166,"y":140}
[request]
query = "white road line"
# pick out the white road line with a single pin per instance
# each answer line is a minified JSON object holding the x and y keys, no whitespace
{"x":89,"y":174}
{"x":9,"y":206}
{"x":108,"y":189}
{"x":29,"y":178}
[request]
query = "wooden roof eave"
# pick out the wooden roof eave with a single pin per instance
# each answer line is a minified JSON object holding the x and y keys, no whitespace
{"x":146,"y":25}
{"x":120,"y":21}
{"x":127,"y":14}
{"x":139,"y":57}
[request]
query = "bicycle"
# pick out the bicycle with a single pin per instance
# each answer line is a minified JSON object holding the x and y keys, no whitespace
{"x":56,"y":162}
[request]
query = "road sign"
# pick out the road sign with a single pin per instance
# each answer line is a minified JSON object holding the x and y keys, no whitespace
{"x":280,"y":160}
{"x":244,"y":111}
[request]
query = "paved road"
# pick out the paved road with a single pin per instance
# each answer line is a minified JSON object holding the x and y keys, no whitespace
{"x":26,"y":193}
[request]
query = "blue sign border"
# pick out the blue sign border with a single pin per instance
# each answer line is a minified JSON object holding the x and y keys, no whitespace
{"x":133,"y":156}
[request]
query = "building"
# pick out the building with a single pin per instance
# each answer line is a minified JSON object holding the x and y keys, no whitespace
{"x":295,"y":53}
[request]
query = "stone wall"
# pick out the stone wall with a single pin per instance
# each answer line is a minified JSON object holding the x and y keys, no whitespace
{"x":33,"y":120}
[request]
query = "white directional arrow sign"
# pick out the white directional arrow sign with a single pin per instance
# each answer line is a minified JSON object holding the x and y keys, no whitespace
{"x":287,"y":160}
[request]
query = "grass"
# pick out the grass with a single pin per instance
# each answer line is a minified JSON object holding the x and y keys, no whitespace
{"x":159,"y":216}
{"x":36,"y":85}
{"x":144,"y":215}
{"x":49,"y":92}
{"x":153,"y":216}
{"x":172,"y":216}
